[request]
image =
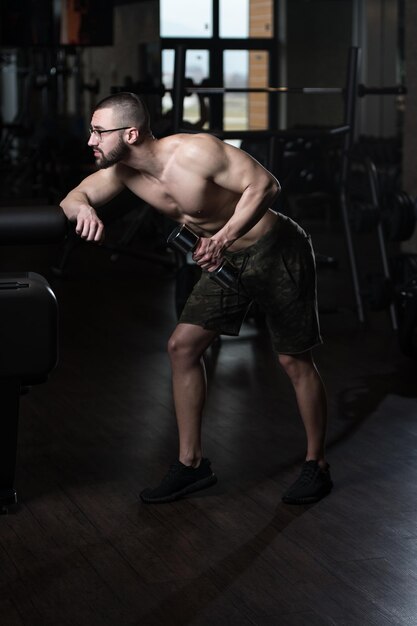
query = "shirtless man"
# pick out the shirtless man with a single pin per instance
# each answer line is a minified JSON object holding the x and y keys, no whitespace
{"x":224,"y":196}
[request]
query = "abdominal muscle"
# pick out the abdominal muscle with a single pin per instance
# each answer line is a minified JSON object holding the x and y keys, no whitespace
{"x":208,"y":228}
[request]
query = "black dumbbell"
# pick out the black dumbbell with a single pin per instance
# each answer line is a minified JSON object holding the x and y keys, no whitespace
{"x":183,"y":239}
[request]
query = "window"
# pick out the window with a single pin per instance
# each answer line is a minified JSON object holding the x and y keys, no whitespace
{"x":196,"y":68}
{"x":235,"y":70}
{"x":245,"y":68}
{"x":186,"y":18}
{"x":240,"y":51}
{"x":234,"y":18}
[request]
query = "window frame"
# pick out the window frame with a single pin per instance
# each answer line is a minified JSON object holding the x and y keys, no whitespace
{"x":216,"y":45}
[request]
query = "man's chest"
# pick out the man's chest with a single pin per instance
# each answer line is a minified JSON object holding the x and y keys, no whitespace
{"x":179,"y":193}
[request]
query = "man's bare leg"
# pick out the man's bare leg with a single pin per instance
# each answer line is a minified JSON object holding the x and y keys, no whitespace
{"x":186,"y":348}
{"x":312,"y":404}
{"x":311,"y":399}
{"x":191,"y":472}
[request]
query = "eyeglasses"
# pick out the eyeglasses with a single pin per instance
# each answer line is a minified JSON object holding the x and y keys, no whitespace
{"x":97,"y":133}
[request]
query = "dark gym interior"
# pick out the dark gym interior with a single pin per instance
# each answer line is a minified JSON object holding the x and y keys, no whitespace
{"x":324,"y":94}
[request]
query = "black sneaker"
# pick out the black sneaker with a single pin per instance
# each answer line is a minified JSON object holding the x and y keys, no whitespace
{"x":180,"y":481}
{"x":311,"y":486}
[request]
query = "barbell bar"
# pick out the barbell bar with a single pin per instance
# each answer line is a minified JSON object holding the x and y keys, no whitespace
{"x":303,"y":90}
{"x":363,"y":90}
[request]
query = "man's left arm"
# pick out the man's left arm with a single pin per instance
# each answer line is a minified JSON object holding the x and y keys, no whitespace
{"x":235,"y":170}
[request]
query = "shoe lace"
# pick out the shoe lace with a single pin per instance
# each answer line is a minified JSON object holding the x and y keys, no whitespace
{"x":308,"y":473}
{"x":173,"y":469}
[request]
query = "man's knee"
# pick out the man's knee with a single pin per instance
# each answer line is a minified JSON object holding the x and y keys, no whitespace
{"x":188,"y":343}
{"x":179,"y":346}
{"x":297,"y":366}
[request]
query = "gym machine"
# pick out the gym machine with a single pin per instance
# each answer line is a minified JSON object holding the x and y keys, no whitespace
{"x":378,"y":207}
{"x":28,"y":328}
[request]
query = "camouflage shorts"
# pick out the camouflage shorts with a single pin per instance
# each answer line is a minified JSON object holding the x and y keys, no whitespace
{"x":278,"y":273}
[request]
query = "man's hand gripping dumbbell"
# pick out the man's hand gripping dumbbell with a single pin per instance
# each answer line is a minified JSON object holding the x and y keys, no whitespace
{"x":184,"y":239}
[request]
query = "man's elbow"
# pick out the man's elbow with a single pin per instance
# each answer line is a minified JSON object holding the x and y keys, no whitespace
{"x":68,"y":207}
{"x":273,"y":189}
{"x":63,"y":205}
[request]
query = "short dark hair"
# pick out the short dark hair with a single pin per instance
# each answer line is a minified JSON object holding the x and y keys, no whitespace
{"x":130,"y":110}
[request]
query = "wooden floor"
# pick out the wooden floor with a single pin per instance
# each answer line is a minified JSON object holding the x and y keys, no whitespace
{"x":81,"y":550}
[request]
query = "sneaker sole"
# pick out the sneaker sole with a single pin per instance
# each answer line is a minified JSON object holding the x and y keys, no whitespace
{"x":307,"y":500}
{"x":204,"y":483}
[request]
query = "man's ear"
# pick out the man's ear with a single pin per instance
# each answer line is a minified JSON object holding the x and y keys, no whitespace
{"x":132,"y":135}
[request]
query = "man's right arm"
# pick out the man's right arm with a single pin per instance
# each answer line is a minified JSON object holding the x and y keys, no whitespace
{"x":93,"y":191}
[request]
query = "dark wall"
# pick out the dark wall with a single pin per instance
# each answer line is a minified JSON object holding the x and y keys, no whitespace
{"x":319,"y":34}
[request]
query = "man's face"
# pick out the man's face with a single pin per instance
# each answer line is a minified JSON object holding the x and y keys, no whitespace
{"x":109,"y":147}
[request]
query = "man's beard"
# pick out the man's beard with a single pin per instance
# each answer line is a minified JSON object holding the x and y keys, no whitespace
{"x":113,"y":157}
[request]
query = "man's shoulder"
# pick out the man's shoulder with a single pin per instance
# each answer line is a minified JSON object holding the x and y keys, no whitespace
{"x":195,"y":145}
{"x":191,"y":139}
